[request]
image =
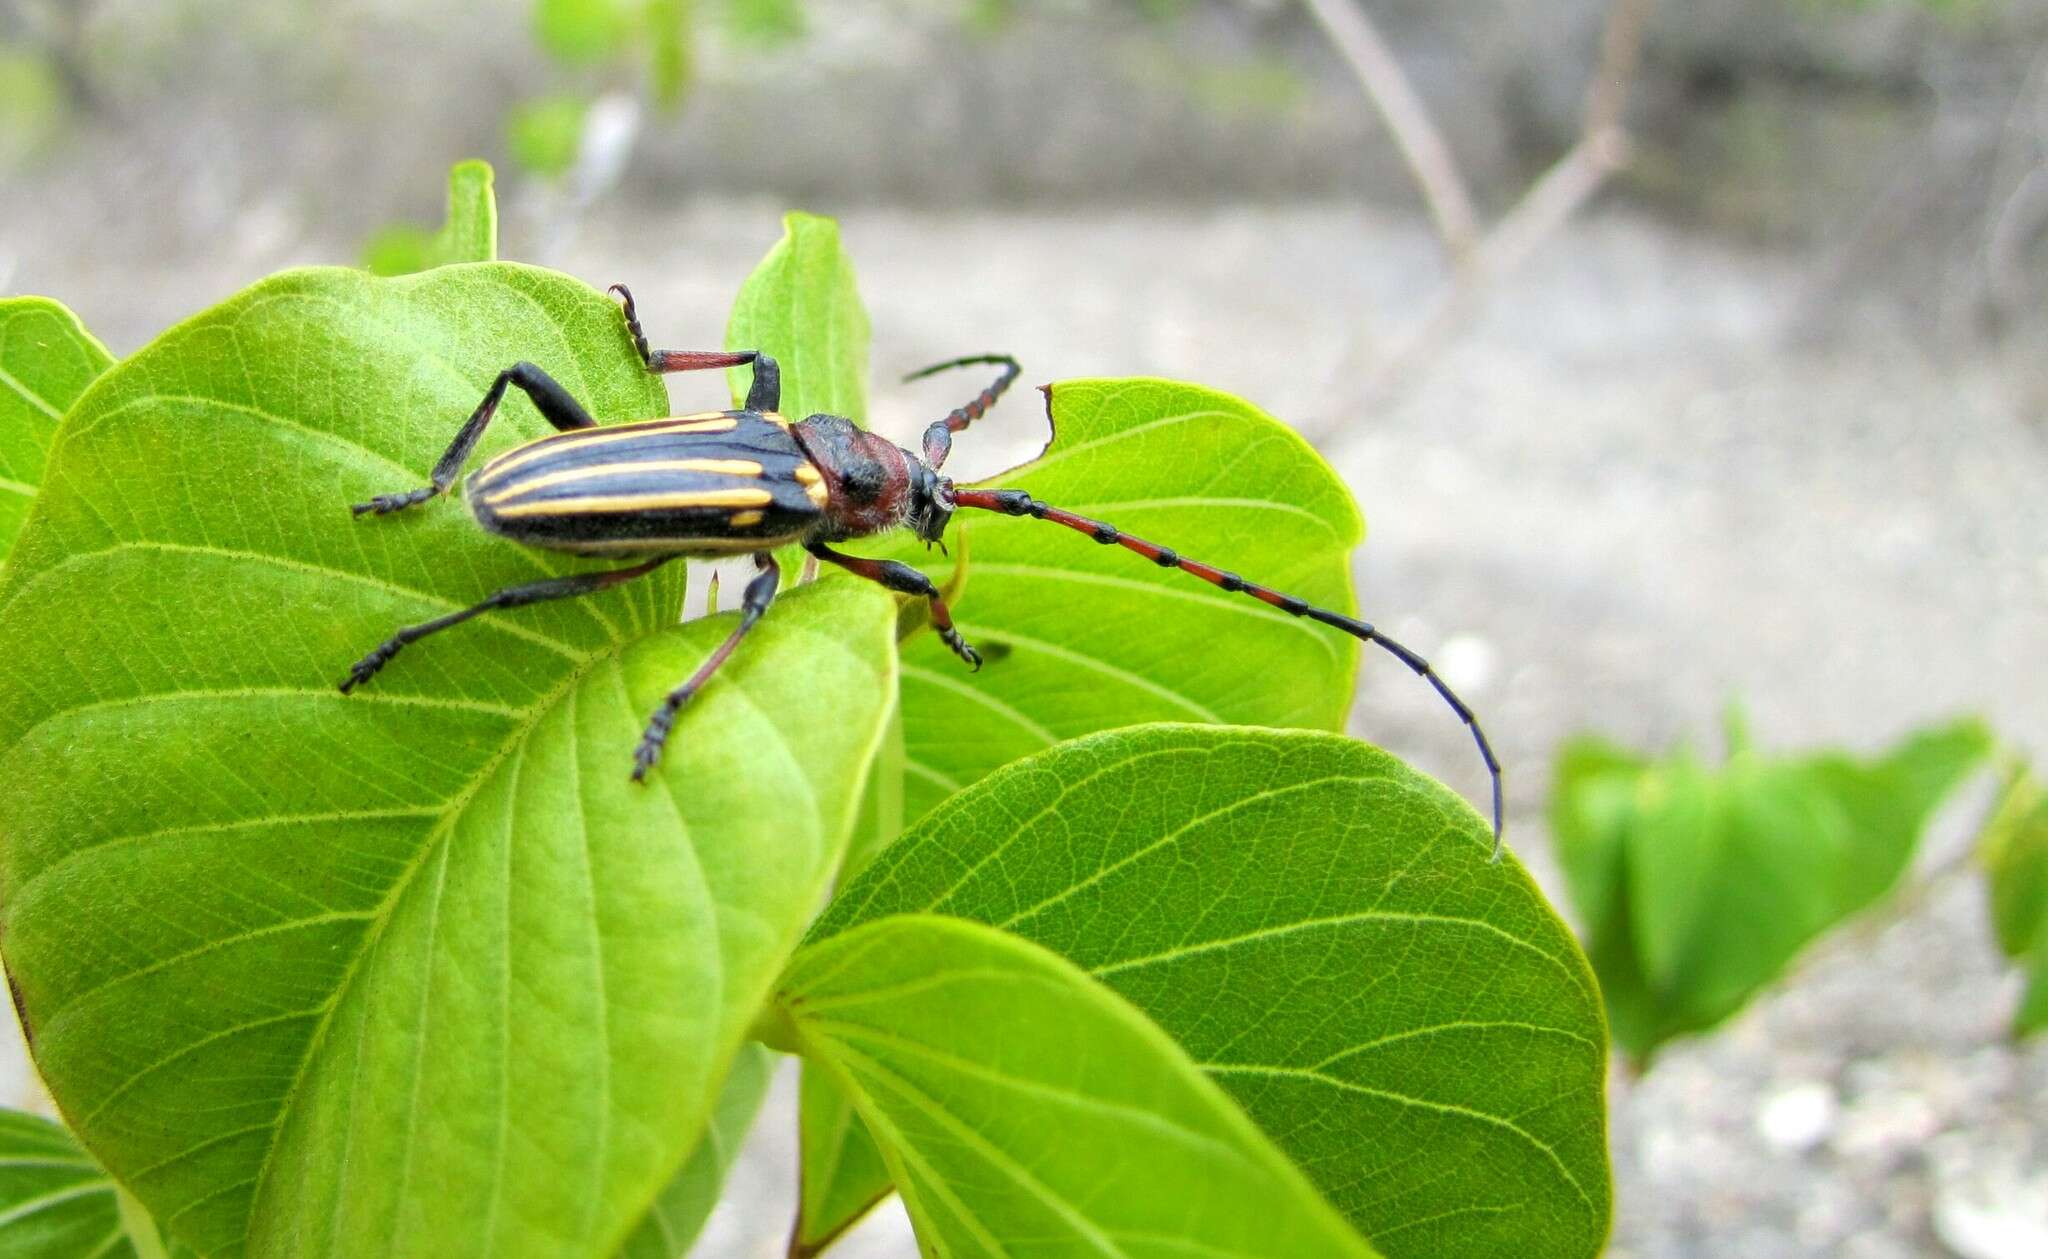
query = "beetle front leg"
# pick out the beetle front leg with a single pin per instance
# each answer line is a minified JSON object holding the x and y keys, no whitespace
{"x":760,"y":593}
{"x":555,"y":404}
{"x":904,"y":580}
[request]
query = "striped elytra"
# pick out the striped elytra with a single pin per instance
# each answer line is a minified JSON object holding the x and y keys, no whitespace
{"x":716,"y":483}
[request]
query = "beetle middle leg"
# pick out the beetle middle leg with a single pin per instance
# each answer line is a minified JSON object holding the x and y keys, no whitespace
{"x":764,"y":394}
{"x":510,"y":597}
{"x":555,"y":404}
{"x":905,"y":580}
{"x":760,"y":593}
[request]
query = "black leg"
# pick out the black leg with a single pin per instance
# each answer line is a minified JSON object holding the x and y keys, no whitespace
{"x":938,"y":439}
{"x":904,"y":580}
{"x":760,"y":593}
{"x":765,"y":394}
{"x":510,"y":597}
{"x":554,"y":403}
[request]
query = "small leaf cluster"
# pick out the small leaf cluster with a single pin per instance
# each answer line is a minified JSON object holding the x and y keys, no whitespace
{"x":1698,"y":885}
{"x":419,"y":971}
{"x":2015,"y":854}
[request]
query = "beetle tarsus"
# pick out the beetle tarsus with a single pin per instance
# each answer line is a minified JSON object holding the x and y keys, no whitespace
{"x":385,"y":504}
{"x":648,"y":753}
{"x":366,"y":668}
{"x":961,"y":648}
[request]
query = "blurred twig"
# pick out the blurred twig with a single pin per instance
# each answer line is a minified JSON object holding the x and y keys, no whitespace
{"x":1422,"y":145}
{"x":1548,"y":203}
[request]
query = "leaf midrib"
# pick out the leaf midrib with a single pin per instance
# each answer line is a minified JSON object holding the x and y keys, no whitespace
{"x":380,"y":917}
{"x":28,"y":395}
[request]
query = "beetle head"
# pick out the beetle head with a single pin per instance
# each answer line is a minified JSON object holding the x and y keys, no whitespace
{"x":931,"y":500}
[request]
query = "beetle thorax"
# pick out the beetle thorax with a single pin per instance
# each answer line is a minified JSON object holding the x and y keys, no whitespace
{"x":875,"y":485}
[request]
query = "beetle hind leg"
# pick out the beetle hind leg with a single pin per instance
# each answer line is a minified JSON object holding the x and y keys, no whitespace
{"x":510,"y":597}
{"x":760,"y":593}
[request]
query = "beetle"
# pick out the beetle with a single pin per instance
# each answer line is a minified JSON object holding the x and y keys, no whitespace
{"x":746,"y":481}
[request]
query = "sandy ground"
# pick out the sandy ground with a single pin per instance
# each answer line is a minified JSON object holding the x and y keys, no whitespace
{"x":1628,"y":495}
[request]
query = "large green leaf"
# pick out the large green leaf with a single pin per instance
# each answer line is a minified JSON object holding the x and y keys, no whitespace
{"x":1320,"y":928}
{"x":1084,"y":637}
{"x":2014,"y":849}
{"x":55,"y":1202}
{"x":1026,"y":1110}
{"x":802,"y":306}
{"x":678,"y":1215}
{"x":47,"y":358}
{"x":1698,"y":886}
{"x":305,"y":969}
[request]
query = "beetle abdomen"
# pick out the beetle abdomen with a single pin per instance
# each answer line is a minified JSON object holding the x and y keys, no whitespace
{"x":723,"y":481}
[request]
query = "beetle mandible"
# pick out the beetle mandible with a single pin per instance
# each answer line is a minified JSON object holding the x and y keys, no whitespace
{"x":746,"y":481}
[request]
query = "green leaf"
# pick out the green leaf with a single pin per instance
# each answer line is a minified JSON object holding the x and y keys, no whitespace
{"x":1699,"y":886}
{"x":678,"y":1215}
{"x":671,"y":48}
{"x":2014,"y":849}
{"x":470,"y":233}
{"x":545,"y":133}
{"x":1887,"y":801}
{"x":802,"y":306}
{"x":1091,"y":637}
{"x":308,"y":968}
{"x":55,"y":1202}
{"x":1026,"y":1109}
{"x":582,"y":32}
{"x":33,"y":105}
{"x":765,"y":23}
{"x":841,"y":1172}
{"x":1320,"y":928}
{"x":47,"y":358}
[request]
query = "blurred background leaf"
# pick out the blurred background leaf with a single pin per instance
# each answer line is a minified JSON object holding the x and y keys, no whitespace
{"x":1697,"y":886}
{"x":582,"y":32}
{"x":2015,"y":855}
{"x":543,"y":134}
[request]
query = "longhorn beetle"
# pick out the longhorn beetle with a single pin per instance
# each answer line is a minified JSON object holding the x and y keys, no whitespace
{"x":747,"y":481}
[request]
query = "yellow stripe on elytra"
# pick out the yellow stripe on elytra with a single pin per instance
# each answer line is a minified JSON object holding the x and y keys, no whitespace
{"x":724,"y":467}
{"x":813,"y":482}
{"x":520,"y":456}
{"x":742,"y":519}
{"x":681,"y":545}
{"x":740,"y":496}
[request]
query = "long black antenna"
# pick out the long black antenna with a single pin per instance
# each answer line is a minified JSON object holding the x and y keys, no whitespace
{"x":1018,"y":503}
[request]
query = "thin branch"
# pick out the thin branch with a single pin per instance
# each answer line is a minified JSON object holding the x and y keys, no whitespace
{"x":1621,"y":51}
{"x":1544,"y":208}
{"x":1422,"y":145}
